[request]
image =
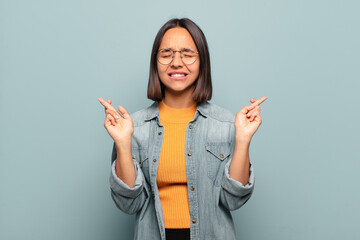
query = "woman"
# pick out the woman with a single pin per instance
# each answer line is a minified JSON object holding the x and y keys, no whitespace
{"x":182,"y":164}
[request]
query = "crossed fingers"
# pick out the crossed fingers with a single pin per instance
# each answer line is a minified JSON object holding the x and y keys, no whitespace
{"x":259,"y":101}
{"x":110,"y":111}
{"x":253,"y":111}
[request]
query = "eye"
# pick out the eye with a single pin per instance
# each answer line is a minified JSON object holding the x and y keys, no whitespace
{"x":165,"y":53}
{"x":188,"y":53}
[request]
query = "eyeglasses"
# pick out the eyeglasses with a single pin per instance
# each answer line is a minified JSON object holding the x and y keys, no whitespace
{"x":166,"y":56}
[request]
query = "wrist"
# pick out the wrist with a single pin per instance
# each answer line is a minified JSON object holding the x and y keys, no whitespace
{"x":123,"y":145}
{"x":242,"y":140}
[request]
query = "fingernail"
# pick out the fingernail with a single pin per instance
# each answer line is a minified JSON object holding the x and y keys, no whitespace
{"x":116,"y":116}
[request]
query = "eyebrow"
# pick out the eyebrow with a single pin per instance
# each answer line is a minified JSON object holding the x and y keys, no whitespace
{"x":181,"y":49}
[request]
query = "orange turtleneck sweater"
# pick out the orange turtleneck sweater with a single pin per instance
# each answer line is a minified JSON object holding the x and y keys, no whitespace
{"x":171,"y":173}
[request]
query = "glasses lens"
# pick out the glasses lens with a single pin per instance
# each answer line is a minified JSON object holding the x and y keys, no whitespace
{"x":165,"y":56}
{"x":188,"y":56}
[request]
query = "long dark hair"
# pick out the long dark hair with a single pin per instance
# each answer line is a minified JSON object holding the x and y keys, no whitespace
{"x":203,"y":86}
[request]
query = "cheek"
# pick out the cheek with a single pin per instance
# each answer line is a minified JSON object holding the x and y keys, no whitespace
{"x":161,"y":72}
{"x":160,"y":69}
{"x":163,"y":68}
{"x":196,"y":69}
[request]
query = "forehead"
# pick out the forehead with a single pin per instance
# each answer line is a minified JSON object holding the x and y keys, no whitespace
{"x":177,"y":38}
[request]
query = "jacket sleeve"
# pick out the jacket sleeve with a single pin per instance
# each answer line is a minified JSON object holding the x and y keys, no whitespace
{"x":233,"y":194}
{"x":128,"y":200}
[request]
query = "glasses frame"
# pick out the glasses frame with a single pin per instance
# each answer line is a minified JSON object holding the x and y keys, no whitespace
{"x":173,"y":55}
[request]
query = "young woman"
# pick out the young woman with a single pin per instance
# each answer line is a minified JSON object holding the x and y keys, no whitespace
{"x":182,"y":164}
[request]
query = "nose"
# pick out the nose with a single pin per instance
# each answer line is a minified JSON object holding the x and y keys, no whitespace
{"x":177,"y":61}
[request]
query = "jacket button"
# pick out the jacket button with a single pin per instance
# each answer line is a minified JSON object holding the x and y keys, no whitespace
{"x":192,"y":188}
{"x":194,"y":221}
{"x":154,"y":160}
{"x":189,"y":154}
{"x":191,"y":126}
{"x":221,"y":155}
{"x":159,"y":133}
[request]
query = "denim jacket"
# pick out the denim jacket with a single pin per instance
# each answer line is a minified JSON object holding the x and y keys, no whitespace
{"x":212,"y":194}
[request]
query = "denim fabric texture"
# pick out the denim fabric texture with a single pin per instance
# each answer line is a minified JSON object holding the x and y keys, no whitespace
{"x":212,"y":194}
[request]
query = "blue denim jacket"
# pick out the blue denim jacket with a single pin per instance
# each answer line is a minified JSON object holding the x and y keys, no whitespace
{"x":212,"y":194}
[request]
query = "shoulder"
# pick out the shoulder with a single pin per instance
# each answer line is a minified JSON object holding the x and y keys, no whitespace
{"x":141,"y":115}
{"x":218,"y":113}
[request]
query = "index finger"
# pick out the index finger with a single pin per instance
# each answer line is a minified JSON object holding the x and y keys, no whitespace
{"x":259,"y":101}
{"x":106,"y":104}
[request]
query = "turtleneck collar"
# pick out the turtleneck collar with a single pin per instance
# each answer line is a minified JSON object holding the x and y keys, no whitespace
{"x":176,"y":115}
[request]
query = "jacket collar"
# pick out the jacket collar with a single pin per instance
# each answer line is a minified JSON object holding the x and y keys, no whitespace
{"x":153,"y":110}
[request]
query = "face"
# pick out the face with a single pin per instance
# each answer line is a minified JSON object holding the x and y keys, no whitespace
{"x":178,"y":77}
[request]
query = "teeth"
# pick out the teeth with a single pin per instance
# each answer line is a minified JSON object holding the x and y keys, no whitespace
{"x":177,"y":75}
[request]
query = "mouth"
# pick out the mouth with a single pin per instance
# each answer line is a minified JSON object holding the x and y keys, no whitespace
{"x":178,"y":76}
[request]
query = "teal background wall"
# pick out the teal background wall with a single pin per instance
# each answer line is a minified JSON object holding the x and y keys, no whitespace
{"x":58,"y":57}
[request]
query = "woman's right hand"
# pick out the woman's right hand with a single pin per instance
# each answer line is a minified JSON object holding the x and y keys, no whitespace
{"x":119,"y":128}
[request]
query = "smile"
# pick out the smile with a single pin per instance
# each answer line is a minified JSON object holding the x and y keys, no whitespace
{"x":177,"y":74}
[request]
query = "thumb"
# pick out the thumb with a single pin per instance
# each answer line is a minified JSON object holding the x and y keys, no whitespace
{"x":246,"y":109}
{"x":124,"y":112}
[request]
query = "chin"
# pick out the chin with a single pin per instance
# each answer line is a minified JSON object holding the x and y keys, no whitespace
{"x":179,"y":89}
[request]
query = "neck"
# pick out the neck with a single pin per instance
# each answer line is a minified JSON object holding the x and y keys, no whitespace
{"x":183,"y":100}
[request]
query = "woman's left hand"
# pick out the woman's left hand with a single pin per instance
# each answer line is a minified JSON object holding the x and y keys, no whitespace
{"x":248,"y":120}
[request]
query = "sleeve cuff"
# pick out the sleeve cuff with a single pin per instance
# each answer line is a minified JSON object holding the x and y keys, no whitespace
{"x":235,"y":187}
{"x":121,"y":188}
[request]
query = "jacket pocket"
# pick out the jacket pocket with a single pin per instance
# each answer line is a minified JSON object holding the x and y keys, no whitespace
{"x":141,"y":156}
{"x":216,"y":153}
